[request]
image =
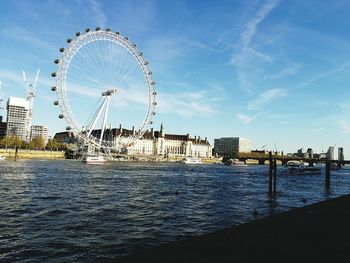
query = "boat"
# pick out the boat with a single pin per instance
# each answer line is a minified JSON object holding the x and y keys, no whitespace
{"x":2,"y":158}
{"x":235,"y":162}
{"x":94,"y":159}
{"x":301,"y":167}
{"x":192,"y":160}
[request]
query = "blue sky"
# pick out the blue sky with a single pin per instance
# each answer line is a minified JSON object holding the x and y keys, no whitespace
{"x":275,"y":72}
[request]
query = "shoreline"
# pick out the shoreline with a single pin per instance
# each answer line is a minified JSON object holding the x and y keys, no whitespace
{"x":32,"y":154}
{"x":53,"y":155}
{"x":318,"y":232}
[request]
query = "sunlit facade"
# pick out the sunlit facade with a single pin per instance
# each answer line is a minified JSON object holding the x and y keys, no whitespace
{"x":39,"y":131}
{"x":17,"y":118}
{"x":231,"y":146}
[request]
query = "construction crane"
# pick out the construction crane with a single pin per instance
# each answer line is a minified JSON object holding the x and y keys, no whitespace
{"x":1,"y":98}
{"x":30,"y":88}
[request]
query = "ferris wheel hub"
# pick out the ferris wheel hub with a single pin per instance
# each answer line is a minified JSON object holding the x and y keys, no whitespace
{"x":109,"y":92}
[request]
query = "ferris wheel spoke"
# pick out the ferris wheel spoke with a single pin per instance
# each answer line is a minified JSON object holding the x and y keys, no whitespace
{"x":127,"y":75}
{"x":92,"y":64}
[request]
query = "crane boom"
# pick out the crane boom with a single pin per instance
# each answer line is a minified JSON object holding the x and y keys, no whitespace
{"x":30,"y":88}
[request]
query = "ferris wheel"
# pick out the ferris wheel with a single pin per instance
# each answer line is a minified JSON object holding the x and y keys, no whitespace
{"x":102,"y":81}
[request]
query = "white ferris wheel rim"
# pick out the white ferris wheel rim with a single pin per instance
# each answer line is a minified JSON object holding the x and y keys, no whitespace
{"x":61,"y":81}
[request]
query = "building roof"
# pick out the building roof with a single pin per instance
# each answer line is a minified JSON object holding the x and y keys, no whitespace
{"x":109,"y":133}
{"x":19,"y":102}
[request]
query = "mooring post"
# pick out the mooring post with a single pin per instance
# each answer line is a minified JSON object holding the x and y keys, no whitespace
{"x":339,"y":164}
{"x":274,"y":176}
{"x":328,"y":174}
{"x":16,"y":153}
{"x":270,"y":173}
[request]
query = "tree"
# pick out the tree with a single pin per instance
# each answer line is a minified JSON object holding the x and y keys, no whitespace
{"x":52,"y":144}
{"x":37,"y":143}
{"x":13,"y":141}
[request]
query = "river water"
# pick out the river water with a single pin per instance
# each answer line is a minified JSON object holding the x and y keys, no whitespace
{"x":67,"y":211}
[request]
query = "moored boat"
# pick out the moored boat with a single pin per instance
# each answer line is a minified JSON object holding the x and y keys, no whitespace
{"x":192,"y":160}
{"x":302,"y":168}
{"x":90,"y":159}
{"x":2,"y":158}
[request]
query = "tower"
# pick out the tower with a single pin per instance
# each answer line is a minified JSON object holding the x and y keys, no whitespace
{"x":161,"y":131}
{"x":1,"y":101}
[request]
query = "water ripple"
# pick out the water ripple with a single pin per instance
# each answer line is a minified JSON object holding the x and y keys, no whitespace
{"x":62,"y":211}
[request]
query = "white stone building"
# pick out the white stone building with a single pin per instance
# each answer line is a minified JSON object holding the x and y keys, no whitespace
{"x":159,"y":143}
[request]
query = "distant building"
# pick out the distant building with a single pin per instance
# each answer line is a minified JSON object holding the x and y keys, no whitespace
{"x":2,"y":128}
{"x":65,"y":137}
{"x":39,"y":131}
{"x":331,"y":153}
{"x":341,"y":154}
{"x":230,"y":146}
{"x":323,"y":156}
{"x":310,"y":153}
{"x":17,"y":118}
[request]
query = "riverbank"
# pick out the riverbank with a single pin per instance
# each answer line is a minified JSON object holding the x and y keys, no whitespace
{"x":32,"y":154}
{"x":314,"y":233}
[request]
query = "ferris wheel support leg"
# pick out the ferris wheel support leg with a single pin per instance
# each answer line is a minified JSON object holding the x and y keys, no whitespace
{"x":97,"y":117}
{"x":105,"y":118}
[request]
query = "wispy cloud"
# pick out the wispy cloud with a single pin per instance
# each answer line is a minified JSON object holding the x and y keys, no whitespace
{"x":97,"y":12}
{"x":326,"y":74}
{"x":187,"y":104}
{"x":266,"y":97}
{"x":245,"y":55}
{"x":344,"y":125}
{"x":318,"y":129}
{"x":245,"y":118}
{"x":290,"y":70}
{"x":250,"y":27}
{"x":11,"y":76}
{"x":23,"y":35}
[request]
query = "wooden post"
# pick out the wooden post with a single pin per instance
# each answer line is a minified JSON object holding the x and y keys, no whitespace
{"x":274,"y":176}
{"x":328,"y":174}
{"x":16,"y":153}
{"x":270,"y":173}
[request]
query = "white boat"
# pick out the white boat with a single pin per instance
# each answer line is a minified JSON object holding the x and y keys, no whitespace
{"x":90,"y":159}
{"x":192,"y":160}
{"x":301,"y":167}
{"x":235,"y":162}
{"x":2,"y":158}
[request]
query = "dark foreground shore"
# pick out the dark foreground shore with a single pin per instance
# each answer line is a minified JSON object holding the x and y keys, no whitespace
{"x":314,"y":233}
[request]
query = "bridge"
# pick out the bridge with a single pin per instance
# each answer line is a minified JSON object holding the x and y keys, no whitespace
{"x":265,"y":158}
